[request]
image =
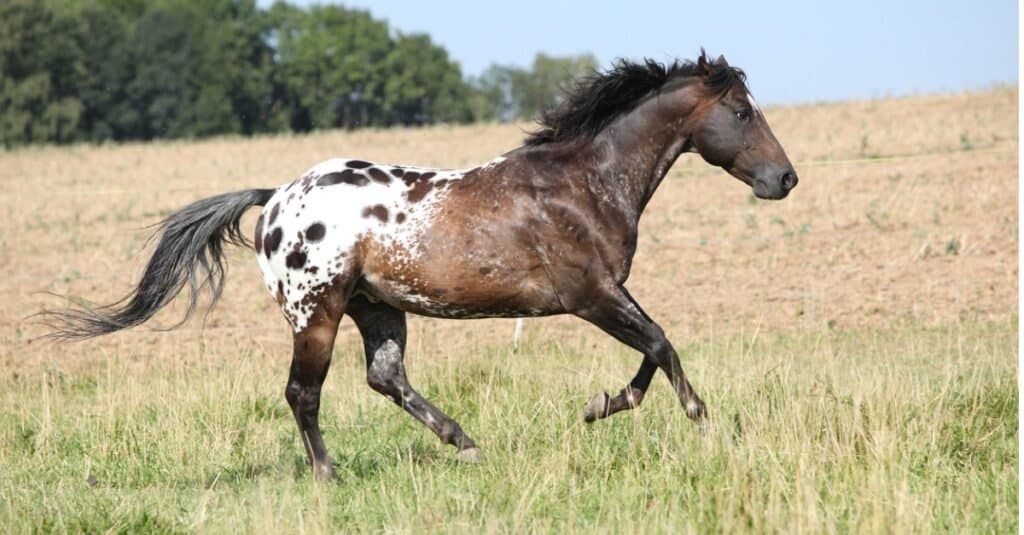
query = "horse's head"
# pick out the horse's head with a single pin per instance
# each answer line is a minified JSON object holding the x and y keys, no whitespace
{"x":730,"y":131}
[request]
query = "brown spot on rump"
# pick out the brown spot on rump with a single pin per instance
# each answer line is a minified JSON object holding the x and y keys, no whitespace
{"x":258,"y":240}
{"x":397,"y":172}
{"x":428,"y":175}
{"x":410,"y":176}
{"x":307,"y":184}
{"x":441,"y":183}
{"x":295,"y":260}
{"x":400,"y":218}
{"x":315,"y":232}
{"x":379,"y":176}
{"x":358,"y":164}
{"x":378,"y":210}
{"x":273,"y":214}
{"x":347,"y":176}
{"x":272,"y":241}
{"x":420,"y":190}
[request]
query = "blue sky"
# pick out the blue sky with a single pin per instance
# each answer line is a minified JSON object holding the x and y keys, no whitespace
{"x":792,"y":51}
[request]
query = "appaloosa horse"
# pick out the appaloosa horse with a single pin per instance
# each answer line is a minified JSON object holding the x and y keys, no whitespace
{"x":547,"y":228}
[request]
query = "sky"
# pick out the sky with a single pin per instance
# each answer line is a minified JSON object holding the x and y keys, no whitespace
{"x":792,"y":51}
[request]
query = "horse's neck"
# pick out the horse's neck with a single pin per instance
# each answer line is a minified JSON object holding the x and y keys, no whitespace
{"x":636,"y":152}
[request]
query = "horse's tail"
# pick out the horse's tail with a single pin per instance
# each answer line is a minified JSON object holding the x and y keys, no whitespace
{"x":190,"y":250}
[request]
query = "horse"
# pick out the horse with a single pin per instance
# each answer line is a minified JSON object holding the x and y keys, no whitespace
{"x":547,"y":228}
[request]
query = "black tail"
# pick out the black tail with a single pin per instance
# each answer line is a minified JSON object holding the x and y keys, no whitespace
{"x":190,"y":250}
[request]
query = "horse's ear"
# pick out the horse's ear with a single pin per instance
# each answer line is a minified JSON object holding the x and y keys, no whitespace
{"x":702,"y":63}
{"x":721,"y":61}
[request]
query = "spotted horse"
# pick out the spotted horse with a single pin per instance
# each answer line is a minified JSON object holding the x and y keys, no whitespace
{"x":547,"y":228}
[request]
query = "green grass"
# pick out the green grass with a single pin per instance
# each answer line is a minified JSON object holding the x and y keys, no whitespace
{"x":910,"y":429}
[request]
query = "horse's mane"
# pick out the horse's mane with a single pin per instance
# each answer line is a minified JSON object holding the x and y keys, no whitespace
{"x":596,"y":100}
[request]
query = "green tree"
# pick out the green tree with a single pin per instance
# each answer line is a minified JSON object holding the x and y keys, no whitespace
{"x":491,"y":97}
{"x":105,"y":73}
{"x":504,"y":93}
{"x":38,"y":64}
{"x":145,"y":69}
{"x":329,"y":59}
{"x":422,"y":84}
{"x":545,"y":83}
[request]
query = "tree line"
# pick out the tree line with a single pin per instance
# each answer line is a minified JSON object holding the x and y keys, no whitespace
{"x":98,"y":70}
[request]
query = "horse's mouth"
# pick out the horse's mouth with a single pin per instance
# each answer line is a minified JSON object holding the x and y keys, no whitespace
{"x":763,"y":191}
{"x":761,"y":188}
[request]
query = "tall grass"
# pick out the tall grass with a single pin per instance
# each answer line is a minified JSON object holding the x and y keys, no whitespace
{"x":905,"y":429}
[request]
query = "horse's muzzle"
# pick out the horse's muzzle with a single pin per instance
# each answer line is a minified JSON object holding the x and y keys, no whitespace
{"x":776,"y":187}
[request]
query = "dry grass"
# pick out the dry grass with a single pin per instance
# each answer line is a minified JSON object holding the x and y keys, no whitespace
{"x":862,"y":333}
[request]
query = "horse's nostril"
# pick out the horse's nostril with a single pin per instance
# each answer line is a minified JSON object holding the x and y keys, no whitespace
{"x":789,"y":180}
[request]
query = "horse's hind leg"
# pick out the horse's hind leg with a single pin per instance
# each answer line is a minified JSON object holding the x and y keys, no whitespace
{"x":615,"y":312}
{"x":383,"y":329}
{"x":311,"y":359}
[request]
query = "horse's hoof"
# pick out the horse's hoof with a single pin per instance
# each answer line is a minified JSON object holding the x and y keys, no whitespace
{"x":597,"y":407}
{"x":470,"y":456}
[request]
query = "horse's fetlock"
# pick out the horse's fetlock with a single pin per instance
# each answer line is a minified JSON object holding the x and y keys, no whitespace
{"x":695,"y":409}
{"x":634,"y":396}
{"x":450,"y":432}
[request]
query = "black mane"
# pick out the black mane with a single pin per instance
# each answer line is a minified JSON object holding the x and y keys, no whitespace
{"x":596,"y":100}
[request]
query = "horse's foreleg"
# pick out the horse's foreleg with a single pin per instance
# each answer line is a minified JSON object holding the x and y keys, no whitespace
{"x":602,"y":405}
{"x":383,"y":329}
{"x":614,"y":311}
{"x":311,"y":359}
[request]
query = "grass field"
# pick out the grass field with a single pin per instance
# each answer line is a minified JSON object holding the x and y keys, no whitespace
{"x":856,"y":345}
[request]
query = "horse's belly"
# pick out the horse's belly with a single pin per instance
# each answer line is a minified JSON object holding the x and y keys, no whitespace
{"x":460,"y":297}
{"x":460,"y":270}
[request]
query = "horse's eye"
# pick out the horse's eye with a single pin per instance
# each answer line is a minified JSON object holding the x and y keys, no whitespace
{"x":743,"y":115}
